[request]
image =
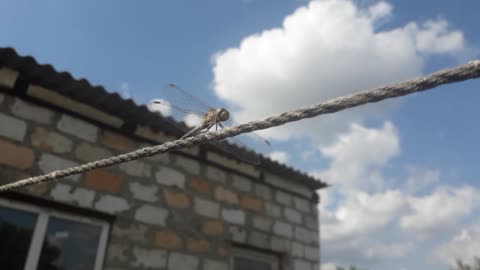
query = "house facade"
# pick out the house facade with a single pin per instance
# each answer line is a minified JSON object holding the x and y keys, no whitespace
{"x":197,"y":208}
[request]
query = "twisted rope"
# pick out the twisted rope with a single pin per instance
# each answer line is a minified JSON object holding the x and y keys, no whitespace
{"x":466,"y":71}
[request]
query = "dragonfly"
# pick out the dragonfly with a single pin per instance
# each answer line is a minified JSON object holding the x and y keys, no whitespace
{"x":199,"y":116}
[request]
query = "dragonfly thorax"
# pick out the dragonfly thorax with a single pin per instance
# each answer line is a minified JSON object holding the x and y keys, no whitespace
{"x":216,"y":114}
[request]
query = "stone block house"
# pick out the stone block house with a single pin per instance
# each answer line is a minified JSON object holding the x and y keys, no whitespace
{"x":198,"y":208}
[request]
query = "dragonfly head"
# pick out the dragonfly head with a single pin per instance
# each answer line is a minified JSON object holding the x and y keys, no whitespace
{"x":223,"y":115}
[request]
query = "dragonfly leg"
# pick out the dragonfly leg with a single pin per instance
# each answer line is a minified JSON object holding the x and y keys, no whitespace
{"x":197,"y":130}
{"x":192,"y":132}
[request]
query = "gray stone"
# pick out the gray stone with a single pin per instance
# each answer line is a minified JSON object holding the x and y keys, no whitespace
{"x":263,"y":191}
{"x":293,"y":215}
{"x":56,"y":142}
{"x":233,"y":216}
{"x":162,"y":158}
{"x":49,"y":163}
{"x":144,"y":192}
{"x":78,"y":128}
{"x":214,"y":265}
{"x":280,"y":244}
{"x":152,"y":215}
{"x":312,"y":253}
{"x":206,"y":208}
{"x":189,"y":165}
{"x":117,"y":252}
{"x":304,"y":235}
{"x":288,"y":185}
{"x":241,"y":183}
{"x":87,"y":152}
{"x":112,"y":204}
{"x":130,"y":231}
{"x":301,"y":204}
{"x":170,"y":177}
{"x":283,"y":229}
{"x":66,"y":193}
{"x":237,"y":234}
{"x":182,"y":261}
{"x":12,"y":128}
{"x":136,"y":168}
{"x":283,"y":198}
{"x":273,"y":210}
{"x":32,"y":112}
{"x":153,"y":258}
{"x":298,"y":249}
{"x":259,"y":239}
{"x":311,"y":223}
{"x":262,"y":223}
{"x":217,"y":175}
{"x":302,"y":265}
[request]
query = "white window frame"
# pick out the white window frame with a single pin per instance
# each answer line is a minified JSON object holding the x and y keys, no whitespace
{"x":41,"y":228}
{"x":254,"y":255}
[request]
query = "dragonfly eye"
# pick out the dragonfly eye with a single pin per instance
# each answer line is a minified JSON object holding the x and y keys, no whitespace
{"x":223,"y":115}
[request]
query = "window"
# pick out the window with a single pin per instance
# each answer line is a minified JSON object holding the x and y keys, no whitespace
{"x":34,"y":238}
{"x":244,"y":259}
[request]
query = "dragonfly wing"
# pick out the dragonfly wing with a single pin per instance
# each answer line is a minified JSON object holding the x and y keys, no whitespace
{"x":180,"y":99}
{"x":189,"y":118}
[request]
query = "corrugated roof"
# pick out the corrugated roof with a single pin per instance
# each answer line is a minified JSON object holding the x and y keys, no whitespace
{"x":31,"y":72}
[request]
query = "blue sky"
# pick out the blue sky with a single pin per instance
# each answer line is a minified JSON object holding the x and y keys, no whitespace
{"x":417,"y":155}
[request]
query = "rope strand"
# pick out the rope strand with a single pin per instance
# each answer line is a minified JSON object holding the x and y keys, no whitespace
{"x":464,"y":72}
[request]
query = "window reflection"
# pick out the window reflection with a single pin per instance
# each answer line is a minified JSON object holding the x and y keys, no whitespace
{"x":69,"y":245}
{"x":16,"y":230}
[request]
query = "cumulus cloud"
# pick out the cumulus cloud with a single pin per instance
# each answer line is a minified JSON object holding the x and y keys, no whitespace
{"x":323,"y":50}
{"x":439,"y":210}
{"x":125,"y":90}
{"x":436,"y":38}
{"x":353,"y":218}
{"x":388,"y":250}
{"x":465,"y":245}
{"x":279,"y":156}
{"x":420,"y":178}
{"x":357,"y":155}
{"x":361,"y":214}
{"x":160,"y":106}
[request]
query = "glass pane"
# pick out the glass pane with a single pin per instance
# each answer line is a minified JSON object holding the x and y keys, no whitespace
{"x":69,"y":245}
{"x":241,"y":263}
{"x":16,"y":230}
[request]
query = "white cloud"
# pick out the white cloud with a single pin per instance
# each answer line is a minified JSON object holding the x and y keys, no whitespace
{"x":420,"y":178}
{"x":438,"y":211}
{"x":435,"y":37}
{"x":379,"y":10}
{"x":328,"y":266}
{"x":125,"y":90}
{"x":357,"y":155}
{"x":362,"y":214}
{"x":323,"y":50}
{"x":465,"y":246}
{"x":388,"y":250}
{"x":161,"y":106}
{"x":279,"y":156}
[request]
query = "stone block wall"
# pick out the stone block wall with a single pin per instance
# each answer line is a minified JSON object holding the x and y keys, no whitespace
{"x":172,"y":211}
